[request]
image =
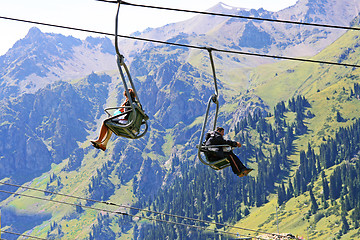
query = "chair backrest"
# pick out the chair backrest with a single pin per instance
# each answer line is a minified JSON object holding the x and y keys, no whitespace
{"x":137,"y":119}
{"x":132,"y":128}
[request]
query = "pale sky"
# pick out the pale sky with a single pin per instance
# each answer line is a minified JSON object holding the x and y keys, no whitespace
{"x":100,"y":16}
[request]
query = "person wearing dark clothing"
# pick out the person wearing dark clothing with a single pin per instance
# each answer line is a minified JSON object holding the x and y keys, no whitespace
{"x":217,"y":138}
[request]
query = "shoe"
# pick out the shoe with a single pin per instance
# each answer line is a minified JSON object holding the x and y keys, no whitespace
{"x":247,"y":171}
{"x":241,"y":174}
{"x":102,"y":147}
{"x":98,"y":146}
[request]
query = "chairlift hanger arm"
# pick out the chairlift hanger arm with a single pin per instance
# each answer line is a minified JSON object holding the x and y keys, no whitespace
{"x":213,"y":69}
{"x":204,"y":126}
{"x":121,"y":61}
{"x":214,"y":99}
{"x":120,"y":58}
{"x":116,"y":34}
{"x":136,"y":125}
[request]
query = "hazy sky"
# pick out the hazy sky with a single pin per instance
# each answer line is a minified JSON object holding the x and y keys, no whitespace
{"x":100,"y":16}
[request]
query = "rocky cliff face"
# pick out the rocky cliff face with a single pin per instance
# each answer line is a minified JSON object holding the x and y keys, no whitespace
{"x":174,"y":91}
{"x":43,"y":128}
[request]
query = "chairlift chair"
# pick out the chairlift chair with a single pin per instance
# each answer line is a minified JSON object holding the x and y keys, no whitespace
{"x":136,"y":126}
{"x":206,"y":153}
{"x":133,"y":127}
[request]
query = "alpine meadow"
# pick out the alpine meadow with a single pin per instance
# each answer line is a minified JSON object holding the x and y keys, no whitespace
{"x":288,"y":92}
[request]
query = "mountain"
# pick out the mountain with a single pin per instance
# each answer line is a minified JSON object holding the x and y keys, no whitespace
{"x":40,"y":59}
{"x":259,"y":36}
{"x":298,"y":123}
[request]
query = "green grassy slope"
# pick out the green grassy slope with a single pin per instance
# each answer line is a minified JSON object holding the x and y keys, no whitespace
{"x":327,"y":89}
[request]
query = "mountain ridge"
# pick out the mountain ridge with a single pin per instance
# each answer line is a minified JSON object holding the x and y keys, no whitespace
{"x":289,"y":40}
{"x":44,"y":58}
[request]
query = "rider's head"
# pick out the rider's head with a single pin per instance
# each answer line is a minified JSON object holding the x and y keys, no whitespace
{"x":220,"y":130}
{"x":132,"y":93}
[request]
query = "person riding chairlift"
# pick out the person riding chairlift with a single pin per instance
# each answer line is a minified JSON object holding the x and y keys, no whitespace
{"x":105,"y":132}
{"x":217,"y":138}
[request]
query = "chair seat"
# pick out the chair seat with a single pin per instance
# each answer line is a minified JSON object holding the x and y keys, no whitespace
{"x":211,"y":158}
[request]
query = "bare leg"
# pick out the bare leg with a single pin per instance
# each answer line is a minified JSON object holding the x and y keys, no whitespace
{"x":108,"y":136}
{"x":104,"y":129}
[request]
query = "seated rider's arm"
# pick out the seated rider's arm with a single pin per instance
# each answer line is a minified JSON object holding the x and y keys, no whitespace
{"x":219,"y":140}
{"x":231,"y":143}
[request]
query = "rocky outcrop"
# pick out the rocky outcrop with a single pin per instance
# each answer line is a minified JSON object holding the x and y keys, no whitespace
{"x":149,"y":180}
{"x":175,"y":92}
{"x":43,"y":128}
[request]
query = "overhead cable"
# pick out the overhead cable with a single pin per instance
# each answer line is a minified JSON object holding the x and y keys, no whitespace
{"x":236,"y":16}
{"x":125,"y":214}
{"x":22,"y":235}
{"x":135,"y":208}
{"x":185,"y":45}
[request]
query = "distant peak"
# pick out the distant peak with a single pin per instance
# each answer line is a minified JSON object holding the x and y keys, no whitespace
{"x":223,"y":5}
{"x":223,"y":8}
{"x":34,"y":31}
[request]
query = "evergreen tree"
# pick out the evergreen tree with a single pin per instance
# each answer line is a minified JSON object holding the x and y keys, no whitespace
{"x":102,"y":229}
{"x":79,"y":209}
{"x":333,"y":188}
{"x":291,"y":104}
{"x":271,"y":134}
{"x":355,"y":215}
{"x":290,"y":191}
{"x":314,"y":205}
{"x":347,"y":204}
{"x":281,"y":194}
{"x":335,"y":184}
{"x":300,"y":126}
{"x":250,"y":121}
{"x":326,"y":190}
{"x":297,"y":183}
{"x":205,"y":186}
{"x":325,"y":203}
{"x":339,"y":118}
{"x":343,"y":206}
{"x":289,"y":138}
{"x":357,"y":90}
{"x":345,"y":225}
